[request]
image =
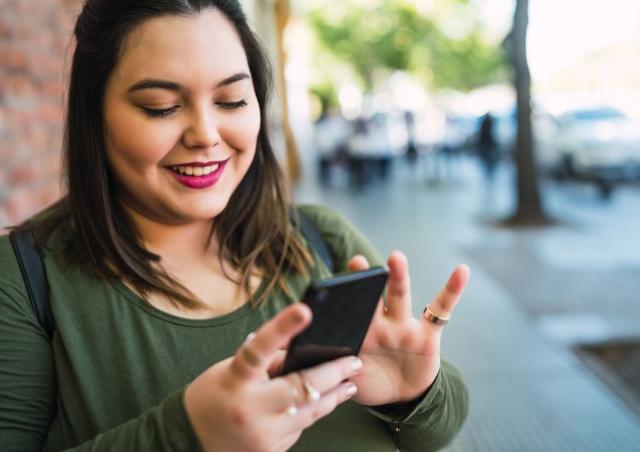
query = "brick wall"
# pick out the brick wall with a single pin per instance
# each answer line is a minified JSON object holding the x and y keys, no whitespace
{"x":35,"y":51}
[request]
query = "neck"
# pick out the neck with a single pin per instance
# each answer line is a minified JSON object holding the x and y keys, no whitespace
{"x":175,"y":241}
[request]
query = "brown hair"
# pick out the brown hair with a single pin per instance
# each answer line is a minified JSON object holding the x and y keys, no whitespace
{"x":254,"y":230}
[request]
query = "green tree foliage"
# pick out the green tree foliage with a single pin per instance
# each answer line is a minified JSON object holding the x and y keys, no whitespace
{"x":392,"y":35}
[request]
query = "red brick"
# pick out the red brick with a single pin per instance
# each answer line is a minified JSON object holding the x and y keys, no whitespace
{"x":5,"y":51}
{"x":23,"y":174}
{"x":17,"y":59}
{"x":50,"y":113}
{"x":5,"y":27}
{"x":21,"y":205}
{"x":53,"y":89}
{"x":35,"y":52}
{"x":21,"y":86}
{"x":50,"y":193}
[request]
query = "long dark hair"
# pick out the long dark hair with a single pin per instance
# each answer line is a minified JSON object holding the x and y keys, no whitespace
{"x":254,"y":230}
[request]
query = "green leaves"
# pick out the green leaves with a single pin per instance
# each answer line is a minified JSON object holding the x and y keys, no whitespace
{"x":388,"y":35}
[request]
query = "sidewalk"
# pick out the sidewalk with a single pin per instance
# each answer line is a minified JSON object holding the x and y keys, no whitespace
{"x":529,"y":391}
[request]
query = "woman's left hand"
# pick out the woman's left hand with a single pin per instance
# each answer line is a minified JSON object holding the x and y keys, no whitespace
{"x":401,"y":354}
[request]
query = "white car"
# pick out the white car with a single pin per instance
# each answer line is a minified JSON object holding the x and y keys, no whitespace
{"x":600,"y":145}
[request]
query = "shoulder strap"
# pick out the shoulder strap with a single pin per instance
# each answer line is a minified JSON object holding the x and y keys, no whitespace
{"x":35,"y":277}
{"x":313,"y":236}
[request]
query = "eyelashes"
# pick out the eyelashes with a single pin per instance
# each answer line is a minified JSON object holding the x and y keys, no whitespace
{"x":232,"y":105}
{"x":159,"y":113}
{"x":165,"y":112}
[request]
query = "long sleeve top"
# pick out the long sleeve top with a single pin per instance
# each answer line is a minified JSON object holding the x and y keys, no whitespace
{"x":114,"y":374}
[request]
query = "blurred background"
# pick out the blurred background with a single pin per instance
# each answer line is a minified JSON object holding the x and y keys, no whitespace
{"x":500,"y":133}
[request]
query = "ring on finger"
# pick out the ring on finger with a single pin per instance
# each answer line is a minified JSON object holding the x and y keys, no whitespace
{"x":292,"y":409}
{"x":312,"y":393}
{"x":433,"y":318}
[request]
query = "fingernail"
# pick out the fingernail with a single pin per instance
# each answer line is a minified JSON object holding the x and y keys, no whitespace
{"x":356,"y":364}
{"x":250,"y":337}
{"x":351,"y":390}
{"x":297,"y":318}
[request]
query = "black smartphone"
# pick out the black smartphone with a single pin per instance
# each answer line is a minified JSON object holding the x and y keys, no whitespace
{"x":343,"y":306}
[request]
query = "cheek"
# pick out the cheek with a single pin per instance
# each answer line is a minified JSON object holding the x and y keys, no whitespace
{"x":131,"y":143}
{"x":243,"y":133}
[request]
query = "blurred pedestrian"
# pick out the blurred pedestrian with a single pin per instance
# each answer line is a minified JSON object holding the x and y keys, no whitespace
{"x":487,"y":148}
{"x":412,"y":149}
{"x":330,"y":136}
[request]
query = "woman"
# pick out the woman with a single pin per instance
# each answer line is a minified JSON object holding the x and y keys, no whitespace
{"x":174,"y":244}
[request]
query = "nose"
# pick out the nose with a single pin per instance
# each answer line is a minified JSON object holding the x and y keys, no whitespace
{"x":202,"y":130}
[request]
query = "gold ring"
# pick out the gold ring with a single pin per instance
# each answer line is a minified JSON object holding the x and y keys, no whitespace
{"x":431,"y":317}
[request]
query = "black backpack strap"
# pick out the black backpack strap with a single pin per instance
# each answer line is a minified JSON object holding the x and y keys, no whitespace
{"x":313,"y":236}
{"x":35,"y":277}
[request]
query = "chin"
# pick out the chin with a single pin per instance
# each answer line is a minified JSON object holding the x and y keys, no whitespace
{"x":205,"y":213}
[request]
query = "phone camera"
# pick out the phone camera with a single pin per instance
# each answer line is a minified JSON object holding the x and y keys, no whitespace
{"x":322,"y":295}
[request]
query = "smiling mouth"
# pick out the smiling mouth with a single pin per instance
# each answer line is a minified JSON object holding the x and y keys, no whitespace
{"x":187,"y":170}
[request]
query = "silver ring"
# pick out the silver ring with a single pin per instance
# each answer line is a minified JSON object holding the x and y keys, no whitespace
{"x":431,"y":317}
{"x":312,"y":393}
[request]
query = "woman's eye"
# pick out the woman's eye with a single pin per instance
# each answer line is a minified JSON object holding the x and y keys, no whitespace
{"x":232,"y":105}
{"x":159,"y":113}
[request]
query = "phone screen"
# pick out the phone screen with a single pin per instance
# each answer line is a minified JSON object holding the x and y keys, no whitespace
{"x":342,"y":307}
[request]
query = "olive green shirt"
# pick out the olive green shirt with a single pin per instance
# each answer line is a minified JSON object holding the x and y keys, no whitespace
{"x":114,"y":375}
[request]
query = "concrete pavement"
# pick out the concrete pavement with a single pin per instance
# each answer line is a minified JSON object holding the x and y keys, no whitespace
{"x":533,"y":295}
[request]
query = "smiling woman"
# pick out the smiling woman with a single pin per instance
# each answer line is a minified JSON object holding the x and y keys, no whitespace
{"x":174,"y":244}
{"x":159,"y":116}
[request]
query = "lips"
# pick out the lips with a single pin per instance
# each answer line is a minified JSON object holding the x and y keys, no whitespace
{"x":198,"y":174}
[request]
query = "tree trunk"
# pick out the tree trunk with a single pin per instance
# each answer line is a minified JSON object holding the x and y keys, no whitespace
{"x":529,"y":210}
{"x":292,"y":152}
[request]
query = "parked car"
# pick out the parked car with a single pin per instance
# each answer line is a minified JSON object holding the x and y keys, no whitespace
{"x":601,"y":145}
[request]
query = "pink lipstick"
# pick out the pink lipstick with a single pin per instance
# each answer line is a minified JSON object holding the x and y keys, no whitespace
{"x":198,"y":175}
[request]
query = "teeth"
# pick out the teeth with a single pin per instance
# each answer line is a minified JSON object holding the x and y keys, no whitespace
{"x":195,"y":170}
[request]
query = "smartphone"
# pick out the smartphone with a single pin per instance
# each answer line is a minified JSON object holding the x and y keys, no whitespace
{"x":343,"y":306}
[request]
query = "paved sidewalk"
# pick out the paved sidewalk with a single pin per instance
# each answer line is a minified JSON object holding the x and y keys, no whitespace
{"x":529,"y":392}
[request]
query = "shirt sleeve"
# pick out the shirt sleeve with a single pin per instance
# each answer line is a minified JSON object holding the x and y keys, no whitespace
{"x":27,"y":376}
{"x":432,"y":421}
{"x":28,"y":385}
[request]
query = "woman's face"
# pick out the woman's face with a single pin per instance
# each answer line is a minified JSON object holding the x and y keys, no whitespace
{"x":182,"y":118}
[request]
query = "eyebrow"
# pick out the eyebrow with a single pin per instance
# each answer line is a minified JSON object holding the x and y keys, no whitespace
{"x":149,"y":83}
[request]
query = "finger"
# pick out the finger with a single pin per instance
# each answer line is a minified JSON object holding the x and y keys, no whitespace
{"x":308,"y":414}
{"x":360,"y":263}
{"x":255,"y":356}
{"x":357,"y":263}
{"x":398,"y":286}
{"x":446,"y":300}
{"x":302,"y":387}
{"x":275,"y":368}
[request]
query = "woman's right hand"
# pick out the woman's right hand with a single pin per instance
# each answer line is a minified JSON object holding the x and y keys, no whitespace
{"x":236,"y":404}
